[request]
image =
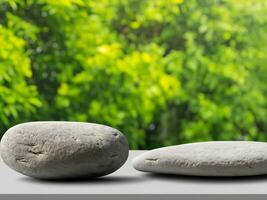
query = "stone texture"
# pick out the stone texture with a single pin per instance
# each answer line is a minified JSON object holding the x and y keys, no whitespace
{"x":62,"y":150}
{"x":231,"y":158}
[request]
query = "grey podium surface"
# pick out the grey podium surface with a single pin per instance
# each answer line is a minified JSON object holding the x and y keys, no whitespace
{"x":127,"y":183}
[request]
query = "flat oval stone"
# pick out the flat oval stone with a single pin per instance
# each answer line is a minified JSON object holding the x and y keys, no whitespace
{"x":229,"y":158}
{"x":62,"y":150}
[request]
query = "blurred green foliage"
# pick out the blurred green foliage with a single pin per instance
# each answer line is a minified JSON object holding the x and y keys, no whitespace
{"x":161,"y":71}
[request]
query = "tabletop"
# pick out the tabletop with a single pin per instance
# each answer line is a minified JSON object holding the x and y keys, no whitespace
{"x":128,"y":183}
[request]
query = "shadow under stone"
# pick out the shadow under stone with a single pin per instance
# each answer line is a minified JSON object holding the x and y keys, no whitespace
{"x":208,"y":179}
{"x":100,"y":180}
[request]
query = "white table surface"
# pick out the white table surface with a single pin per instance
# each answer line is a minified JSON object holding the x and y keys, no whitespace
{"x":129,"y":183}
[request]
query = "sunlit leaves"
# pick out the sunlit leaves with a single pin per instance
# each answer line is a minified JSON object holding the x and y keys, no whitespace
{"x":162,"y":71}
{"x":18,"y":99}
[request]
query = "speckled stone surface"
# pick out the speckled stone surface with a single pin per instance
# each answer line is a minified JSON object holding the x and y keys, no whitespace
{"x":62,"y":150}
{"x":229,"y":158}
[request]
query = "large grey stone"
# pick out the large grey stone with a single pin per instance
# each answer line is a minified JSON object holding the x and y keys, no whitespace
{"x":229,"y":158}
{"x":60,"y":150}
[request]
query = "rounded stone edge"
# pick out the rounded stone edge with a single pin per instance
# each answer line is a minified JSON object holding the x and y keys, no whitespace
{"x":139,"y":164}
{"x":5,"y":135}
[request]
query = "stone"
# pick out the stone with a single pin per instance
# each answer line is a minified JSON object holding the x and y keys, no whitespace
{"x":221,"y":158}
{"x":64,"y":150}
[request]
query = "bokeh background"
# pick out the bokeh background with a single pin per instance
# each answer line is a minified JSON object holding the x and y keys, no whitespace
{"x":162,"y":71}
